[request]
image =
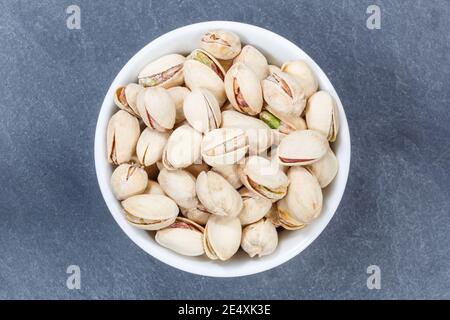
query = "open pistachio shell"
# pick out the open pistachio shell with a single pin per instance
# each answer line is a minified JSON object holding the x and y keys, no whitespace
{"x":179,"y":185}
{"x":281,"y":126}
{"x":321,"y":115}
{"x":178,"y":94}
{"x":153,"y":187}
{"x":255,"y":60}
{"x":230,"y":173}
{"x":150,"y":146}
{"x":301,"y":148}
{"x":183,"y":236}
{"x":202,"y":110}
{"x":150,"y":211}
{"x":304,"y":75}
{"x":165,"y":72}
{"x":222,"y":44}
{"x":255,"y":207}
{"x":243,"y":89}
{"x":126,"y":98}
{"x":273,"y":215}
{"x":128,"y":180}
{"x":121,"y":137}
{"x":199,"y":214}
{"x":260,"y":238}
{"x":217,"y":195}
{"x":222,"y":237}
{"x":325,"y":169}
{"x":156,"y":109}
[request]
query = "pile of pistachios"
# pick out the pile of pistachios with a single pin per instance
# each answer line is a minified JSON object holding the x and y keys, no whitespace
{"x":220,"y":150}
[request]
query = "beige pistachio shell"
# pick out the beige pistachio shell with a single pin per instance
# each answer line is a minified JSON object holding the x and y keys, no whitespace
{"x":301,"y":148}
{"x":304,"y":75}
{"x":325,"y":169}
{"x":225,"y":146}
{"x":255,"y":60}
{"x":322,"y":115}
{"x":222,"y":44}
{"x":121,"y":137}
{"x":156,"y":109}
{"x":183,"y":148}
{"x":153,"y":187}
{"x":255,"y":207}
{"x":201,"y":70}
{"x":217,"y":195}
{"x":196,"y":168}
{"x":150,"y":146}
{"x":165,"y":72}
{"x":259,"y":135}
{"x":150,"y":211}
{"x":128,"y":180}
{"x":178,"y":94}
{"x":230,"y":173}
{"x":126,"y":98}
{"x":243,"y":89}
{"x":198,"y":214}
{"x":222,"y":237}
{"x":183,"y":236}
{"x":202,"y":110}
{"x":264,"y":177}
{"x":303,"y":202}
{"x":179,"y":185}
{"x":273,"y":216}
{"x":259,"y":239}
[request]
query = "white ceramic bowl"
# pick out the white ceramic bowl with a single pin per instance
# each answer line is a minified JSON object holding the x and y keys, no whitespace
{"x":278,"y":50}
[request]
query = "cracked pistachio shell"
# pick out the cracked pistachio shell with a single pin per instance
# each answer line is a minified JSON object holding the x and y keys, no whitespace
{"x":303,"y":202}
{"x":201,"y":70}
{"x":121,"y":137}
{"x":153,"y":187}
{"x":321,"y":115}
{"x":126,"y":98}
{"x":259,"y":135}
{"x":222,"y":237}
{"x":178,"y":94}
{"x":325,"y":169}
{"x":230,"y":173}
{"x":150,"y":146}
{"x":222,"y":44}
{"x":283,"y":94}
{"x":217,"y":195}
{"x":156,"y":109}
{"x":128,"y":180}
{"x":301,"y":148}
{"x":243,"y":89}
{"x":202,"y":110}
{"x":273,"y":216}
{"x":281,"y":126}
{"x":183,"y":236}
{"x":199,"y":214}
{"x":150,"y":211}
{"x":300,"y":70}
{"x":179,"y":185}
{"x":224,"y":146}
{"x":255,"y":60}
{"x":260,"y":238}
{"x":255,"y":207}
{"x":264,"y":177}
{"x":165,"y":72}
{"x":183,"y":148}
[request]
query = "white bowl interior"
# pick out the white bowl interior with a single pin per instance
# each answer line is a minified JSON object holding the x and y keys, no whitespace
{"x":184,"y":40}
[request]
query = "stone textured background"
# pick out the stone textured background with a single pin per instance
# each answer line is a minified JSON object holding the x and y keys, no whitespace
{"x":393,"y":82}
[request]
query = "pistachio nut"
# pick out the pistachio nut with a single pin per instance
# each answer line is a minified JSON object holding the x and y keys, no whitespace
{"x":183,"y":236}
{"x":199,"y":214}
{"x":243,"y":89}
{"x":255,"y":60}
{"x":179,"y":185}
{"x":255,"y":207}
{"x":202,"y":110}
{"x":301,"y":148}
{"x":230,"y":173}
{"x":322,"y":115}
{"x":165,"y":72}
{"x":201,"y":70}
{"x":178,"y":94}
{"x":304,"y":75}
{"x":222,"y":44}
{"x":260,"y":238}
{"x":224,"y":146}
{"x":281,"y":126}
{"x":265,"y":178}
{"x":156,"y":109}
{"x":217,"y":195}
{"x":150,"y":211}
{"x":121,"y":137}
{"x":128,"y":180}
{"x":126,"y":98}
{"x":183,"y":148}
{"x":325,"y":169}
{"x":222,"y":237}
{"x":150,"y":146}
{"x":273,"y":216}
{"x":153,"y":187}
{"x":259,"y":135}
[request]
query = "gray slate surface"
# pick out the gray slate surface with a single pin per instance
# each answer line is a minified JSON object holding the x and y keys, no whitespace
{"x":393,"y":82}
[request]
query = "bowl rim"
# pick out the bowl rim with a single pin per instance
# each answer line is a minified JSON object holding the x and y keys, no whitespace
{"x":344,"y":133}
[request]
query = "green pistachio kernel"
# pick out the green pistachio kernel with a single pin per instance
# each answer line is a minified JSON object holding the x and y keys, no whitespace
{"x":269,"y":119}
